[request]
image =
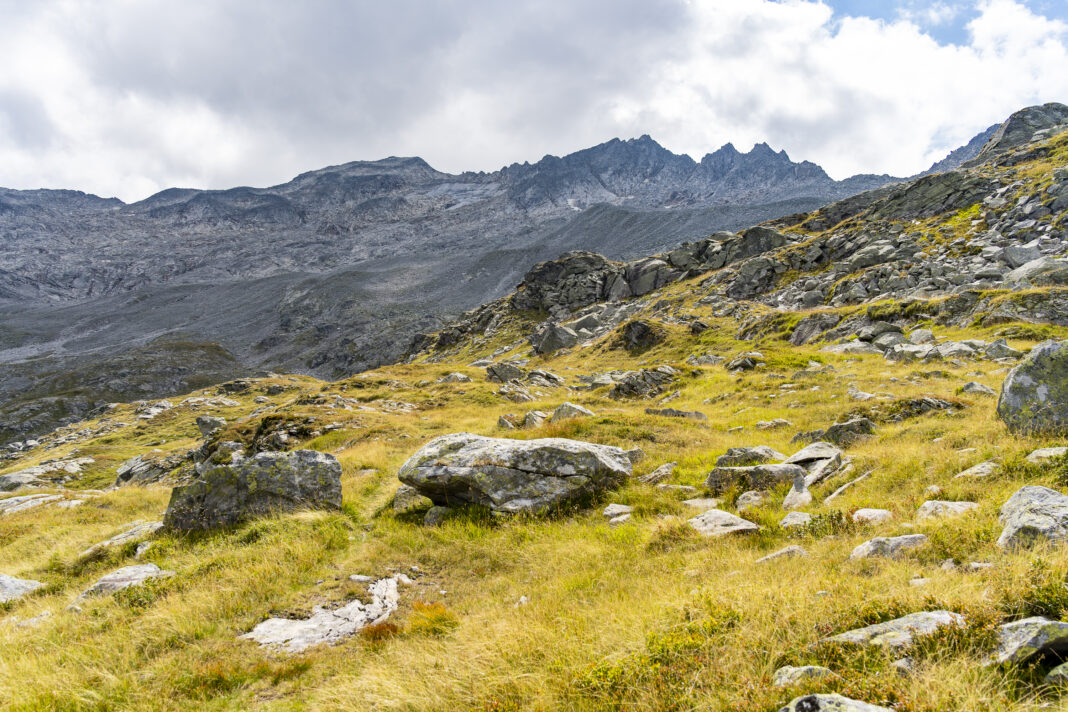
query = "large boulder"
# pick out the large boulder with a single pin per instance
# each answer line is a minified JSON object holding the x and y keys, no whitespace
{"x":1033,"y":513}
{"x":1019,"y":641}
{"x":645,"y":383}
{"x":754,"y":477}
{"x":830,"y":703}
{"x":269,"y":482}
{"x":1034,"y":396}
{"x":639,"y":335}
{"x":512,"y":476}
{"x":12,"y":588}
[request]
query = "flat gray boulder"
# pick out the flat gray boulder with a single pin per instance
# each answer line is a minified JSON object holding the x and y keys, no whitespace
{"x":1032,"y":514}
{"x":789,"y":552}
{"x":125,"y":577}
{"x":137,"y":530}
{"x":899,"y":632}
{"x":12,"y":588}
{"x":512,"y":476}
{"x":1022,"y":640}
{"x":889,"y":547}
{"x":1046,"y":454}
{"x":741,"y":456}
{"x":326,"y":626}
{"x":568,"y":410}
{"x":1034,"y":396}
{"x":754,"y":477}
{"x":266,"y":483}
{"x":830,"y":703}
{"x":716,"y":522}
{"x":934,"y":508}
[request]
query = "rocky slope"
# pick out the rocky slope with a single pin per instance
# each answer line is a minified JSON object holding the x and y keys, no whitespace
{"x":334,"y":271}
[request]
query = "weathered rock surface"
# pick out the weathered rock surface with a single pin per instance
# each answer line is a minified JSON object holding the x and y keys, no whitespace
{"x":830,"y":703}
{"x":741,"y":456}
{"x":787,"y":553}
{"x":11,"y":505}
{"x":1019,"y":641}
{"x":889,"y":547}
{"x":899,"y":632}
{"x":1046,"y":454}
{"x":795,"y":519}
{"x":1034,"y":396}
{"x":753,"y":477}
{"x":267,"y":483}
{"x":567,"y":410}
{"x":675,"y":413}
{"x":716,"y":522}
{"x":139,"y":530}
{"x":512,"y":475}
{"x":932,"y":509}
{"x":12,"y":588}
{"x":646,"y":383}
{"x":125,"y":577}
{"x":789,"y":675}
{"x":1031,"y":515}
{"x":328,"y":626}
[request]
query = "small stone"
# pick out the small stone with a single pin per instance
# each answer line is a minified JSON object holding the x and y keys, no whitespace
{"x":1032,"y":514}
{"x":567,"y":410}
{"x":615,"y":510}
{"x":702,"y":503}
{"x":621,"y":519}
{"x":142,"y":549}
{"x":788,"y":552}
{"x":904,"y":667}
{"x":436,"y":515}
{"x":747,"y":500}
{"x":1046,"y":454}
{"x":919,"y":581}
{"x":716,"y":522}
{"x":660,"y":474}
{"x":12,"y":588}
{"x":899,"y":633}
{"x":795,"y":519}
{"x":1058,"y":676}
{"x":937,"y":508}
{"x":360,"y":578}
{"x":872,"y":516}
{"x":983,"y":469}
{"x":978,"y":389}
{"x":124,"y":578}
{"x":786,"y":676}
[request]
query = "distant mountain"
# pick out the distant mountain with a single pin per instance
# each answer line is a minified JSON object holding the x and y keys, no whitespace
{"x":334,"y":271}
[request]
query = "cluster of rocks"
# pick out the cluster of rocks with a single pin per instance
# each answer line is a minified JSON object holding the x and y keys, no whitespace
{"x":48,"y":473}
{"x":537,"y":418}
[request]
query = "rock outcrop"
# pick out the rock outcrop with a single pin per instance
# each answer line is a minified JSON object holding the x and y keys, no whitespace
{"x":512,"y":476}
{"x":1034,"y":397}
{"x":267,"y":483}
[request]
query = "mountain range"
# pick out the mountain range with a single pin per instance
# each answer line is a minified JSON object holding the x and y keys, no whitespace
{"x":336,"y":270}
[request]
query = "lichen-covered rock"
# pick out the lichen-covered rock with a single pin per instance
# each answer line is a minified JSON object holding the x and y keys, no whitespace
{"x":849,"y":432}
{"x":267,"y":483}
{"x":1022,"y":640}
{"x":830,"y":703}
{"x":899,"y":632}
{"x":1046,"y":454}
{"x":645,"y":383}
{"x":512,"y":475}
{"x":208,"y":424}
{"x":1033,"y":513}
{"x":503,"y":372}
{"x":754,"y":477}
{"x":567,"y":410}
{"x":716,"y":522}
{"x":12,"y":588}
{"x":407,"y":499}
{"x":1034,"y":396}
{"x":788,"y":675}
{"x":740,"y":456}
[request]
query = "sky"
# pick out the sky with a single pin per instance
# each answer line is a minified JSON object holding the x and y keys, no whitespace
{"x":127,"y":97}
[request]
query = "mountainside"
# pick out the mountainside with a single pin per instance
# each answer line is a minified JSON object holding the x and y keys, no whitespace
{"x":334,"y":271}
{"x":814,"y":465}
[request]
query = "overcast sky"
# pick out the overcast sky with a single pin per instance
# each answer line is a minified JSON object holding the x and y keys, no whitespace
{"x":127,"y":97}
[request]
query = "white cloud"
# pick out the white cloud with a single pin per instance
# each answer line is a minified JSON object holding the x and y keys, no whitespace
{"x":125,"y":98}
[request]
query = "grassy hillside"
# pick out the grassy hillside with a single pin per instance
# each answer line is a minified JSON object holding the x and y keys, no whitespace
{"x":644,"y":616}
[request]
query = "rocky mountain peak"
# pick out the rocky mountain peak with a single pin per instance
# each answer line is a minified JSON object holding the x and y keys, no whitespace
{"x":1021,"y":128}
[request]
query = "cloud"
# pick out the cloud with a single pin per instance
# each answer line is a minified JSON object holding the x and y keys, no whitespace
{"x":132,"y":96}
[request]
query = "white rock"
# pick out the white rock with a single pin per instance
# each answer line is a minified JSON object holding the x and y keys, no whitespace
{"x":12,"y":588}
{"x":891,"y":547}
{"x":983,"y":469}
{"x":123,"y":578}
{"x":716,"y":522}
{"x":617,"y":521}
{"x":795,"y":519}
{"x":1045,"y":454}
{"x":937,"y":508}
{"x":702,"y":503}
{"x":899,"y":632}
{"x":614,"y":510}
{"x":787,"y":553}
{"x":872,"y":516}
{"x":137,"y":531}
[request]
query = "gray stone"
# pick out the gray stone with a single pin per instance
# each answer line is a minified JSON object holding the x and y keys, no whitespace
{"x":853,"y":348}
{"x":747,"y":500}
{"x":937,"y":508}
{"x":983,"y":469}
{"x":1033,"y":513}
{"x":775,"y":424}
{"x":716,"y":522}
{"x":813,"y":453}
{"x":1042,"y":272}
{"x":977,"y":389}
{"x":513,"y":475}
{"x":830,"y":703}
{"x":12,"y":588}
{"x":567,"y":410}
{"x":408,"y":499}
{"x":798,"y":496}
{"x":900,"y":632}
{"x":1034,"y":396}
{"x":674,"y":413}
{"x":138,"y":530}
{"x":618,"y":520}
{"x":758,"y":477}
{"x":702,"y":503}
{"x":124,"y":578}
{"x":1000,"y":349}
{"x":208,"y":424}
{"x":11,"y":505}
{"x":267,"y":483}
{"x":640,"y":334}
{"x":795,"y":519}
{"x":1058,"y":676}
{"x":786,"y":676}
{"x":1046,"y":454}
{"x":849,"y":432}
{"x":660,"y":474}
{"x":1019,"y":641}
{"x":646,"y":383}
{"x":740,"y":456}
{"x":327,"y":626}
{"x":872,"y":516}
{"x":614,"y":510}
{"x":553,"y":337}
{"x":787,"y":553}
{"x":534,"y":419}
{"x":455,"y":377}
{"x":921,"y":336}
{"x":889,"y":547}
{"x":503,"y":372}
{"x":436,"y":515}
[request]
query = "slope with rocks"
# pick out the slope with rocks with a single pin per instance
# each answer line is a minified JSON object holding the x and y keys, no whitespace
{"x":766,"y":508}
{"x":334,"y":271}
